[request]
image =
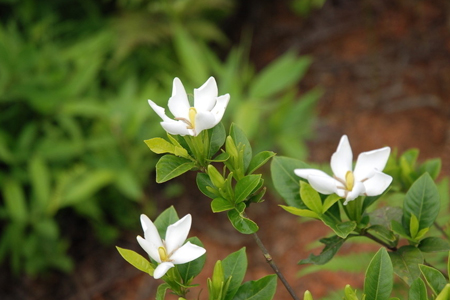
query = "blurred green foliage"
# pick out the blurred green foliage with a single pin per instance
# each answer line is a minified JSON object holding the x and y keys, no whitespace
{"x":74,"y":77}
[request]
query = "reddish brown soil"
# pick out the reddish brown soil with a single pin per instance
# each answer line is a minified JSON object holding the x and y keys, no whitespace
{"x":384,"y":67}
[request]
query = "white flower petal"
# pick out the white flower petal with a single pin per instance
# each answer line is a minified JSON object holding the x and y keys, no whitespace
{"x":176,"y":127}
{"x":162,"y":269}
{"x":341,"y":160}
{"x":323,"y":184}
{"x":304,"y":173}
{"x":150,"y":232}
{"x":205,"y":96}
{"x":204,"y":120}
{"x":377,"y":184}
{"x":177,"y":233}
{"x":151,"y":249}
{"x":370,"y":161}
{"x":221,"y":105}
{"x":179,"y":103}
{"x":161,"y":112}
{"x":188,"y":252}
{"x":358,"y":189}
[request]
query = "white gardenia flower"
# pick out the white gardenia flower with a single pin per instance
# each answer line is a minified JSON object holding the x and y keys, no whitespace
{"x":171,"y":251}
{"x":366,"y":179}
{"x":206,"y":113}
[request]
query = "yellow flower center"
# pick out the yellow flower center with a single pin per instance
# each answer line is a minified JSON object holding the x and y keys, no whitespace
{"x":349,"y":180}
{"x":192,"y":114}
{"x":163,"y":254}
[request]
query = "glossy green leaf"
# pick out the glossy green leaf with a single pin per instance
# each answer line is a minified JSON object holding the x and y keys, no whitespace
{"x":422,"y":200}
{"x":379,"y":277}
{"x":259,"y":160}
{"x":240,"y":140}
{"x":242,"y":224}
{"x":418,"y":290}
{"x":245,"y":187}
{"x":300,"y":212}
{"x":285,"y":181}
{"x":434,"y":278}
{"x":307,"y":296}
{"x":217,"y":136}
{"x":166,"y":218}
{"x":161,"y":291}
{"x":444,"y":294}
{"x":310,"y":197}
{"x":203,"y":182}
{"x":382,"y":233}
{"x":262,"y":289}
{"x":136,"y":260}
{"x":342,"y":229}
{"x":234,"y":266}
{"x":399,"y":229}
{"x":160,"y":146}
{"x":220,"y":204}
{"x":349,"y":293}
{"x":406,"y":262}
{"x":332,"y":245}
{"x":432,"y":167}
{"x":191,"y":269}
{"x":170,"y":166}
{"x":329,"y":201}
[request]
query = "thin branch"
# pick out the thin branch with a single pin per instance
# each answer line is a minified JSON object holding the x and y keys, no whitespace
{"x":375,"y":239}
{"x":272,"y":264}
{"x":441,"y":229}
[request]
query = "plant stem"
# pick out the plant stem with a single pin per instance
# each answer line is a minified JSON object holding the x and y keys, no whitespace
{"x":439,"y":227}
{"x":375,"y":239}
{"x":272,"y":264}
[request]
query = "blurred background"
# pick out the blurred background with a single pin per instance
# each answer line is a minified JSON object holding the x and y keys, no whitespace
{"x":75,"y":77}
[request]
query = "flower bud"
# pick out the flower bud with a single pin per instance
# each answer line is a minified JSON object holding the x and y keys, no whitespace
{"x":216,"y":178}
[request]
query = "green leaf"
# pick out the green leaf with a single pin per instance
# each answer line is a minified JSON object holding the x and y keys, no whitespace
{"x":191,"y":269}
{"x":329,"y":201}
{"x":165,"y":219}
{"x":382,"y":232}
{"x":160,"y":146}
{"x":170,"y":166}
{"x":262,"y":289}
{"x":203,"y":181}
{"x":310,"y":197}
{"x":418,"y":290}
{"x":259,"y":160}
{"x":434,"y":278}
{"x":332,"y":245}
{"x":285,"y":181}
{"x":242,"y":224}
{"x":444,"y":294}
{"x":413,"y":226}
{"x":161,"y":291}
{"x":422,"y":201}
{"x":399,"y":229}
{"x":86,"y":186}
{"x":234,"y":266}
{"x":280,"y":74}
{"x":432,"y":167}
{"x":379,"y":277}
{"x":245,"y":187}
{"x":240,"y":139}
{"x":434,"y":244}
{"x":385,"y":215}
{"x":350,"y":294}
{"x":217,"y":136}
{"x":220,"y":204}
{"x":136,"y":260}
{"x":342,"y":229}
{"x":406,"y":262}
{"x":14,"y":198}
{"x":300,"y":212}
{"x":40,"y":181}
{"x":307,"y":296}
